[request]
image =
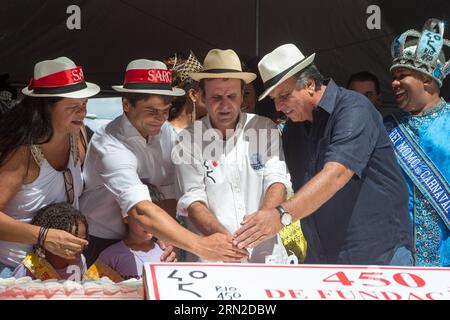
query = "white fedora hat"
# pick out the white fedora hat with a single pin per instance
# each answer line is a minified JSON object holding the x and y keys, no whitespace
{"x":222,"y":64}
{"x":281,"y":64}
{"x":150,"y":77}
{"x":59,"y":78}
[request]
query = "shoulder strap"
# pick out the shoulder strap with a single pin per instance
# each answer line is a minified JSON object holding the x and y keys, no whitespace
{"x":74,"y":149}
{"x":84,"y":138}
{"x":37,"y":154}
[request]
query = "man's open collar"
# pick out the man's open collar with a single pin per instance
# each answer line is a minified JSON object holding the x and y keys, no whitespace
{"x":328,"y":100}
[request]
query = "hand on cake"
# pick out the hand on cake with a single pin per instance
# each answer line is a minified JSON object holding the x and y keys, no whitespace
{"x":219,"y":247}
{"x":257,"y":227}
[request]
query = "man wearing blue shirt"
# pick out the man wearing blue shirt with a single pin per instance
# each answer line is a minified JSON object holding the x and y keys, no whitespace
{"x":350,"y":195}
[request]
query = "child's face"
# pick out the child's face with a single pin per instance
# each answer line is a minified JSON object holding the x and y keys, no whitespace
{"x":135,"y":229}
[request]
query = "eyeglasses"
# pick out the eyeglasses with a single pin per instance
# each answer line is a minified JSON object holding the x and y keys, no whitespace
{"x":68,"y":185}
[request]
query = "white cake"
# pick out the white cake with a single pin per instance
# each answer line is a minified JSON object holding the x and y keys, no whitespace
{"x":25,"y":288}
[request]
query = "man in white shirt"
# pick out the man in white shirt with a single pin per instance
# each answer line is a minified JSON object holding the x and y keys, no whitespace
{"x":128,"y":169}
{"x":229,"y":163}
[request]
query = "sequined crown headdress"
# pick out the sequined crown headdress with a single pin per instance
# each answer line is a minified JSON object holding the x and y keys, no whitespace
{"x":182,"y":68}
{"x":423,"y":52}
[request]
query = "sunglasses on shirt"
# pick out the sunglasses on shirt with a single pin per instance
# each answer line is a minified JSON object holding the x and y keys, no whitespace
{"x":68,"y":185}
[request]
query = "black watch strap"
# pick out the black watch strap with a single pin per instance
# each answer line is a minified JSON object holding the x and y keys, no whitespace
{"x":281,"y":210}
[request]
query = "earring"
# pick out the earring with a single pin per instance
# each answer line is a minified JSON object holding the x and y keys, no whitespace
{"x":193,"y":114}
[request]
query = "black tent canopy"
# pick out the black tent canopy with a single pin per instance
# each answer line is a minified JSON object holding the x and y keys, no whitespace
{"x":115,"y":32}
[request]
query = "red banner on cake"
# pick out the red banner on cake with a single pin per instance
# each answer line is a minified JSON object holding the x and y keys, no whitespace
{"x":174,"y":281}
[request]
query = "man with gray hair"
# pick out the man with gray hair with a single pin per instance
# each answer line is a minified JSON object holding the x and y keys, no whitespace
{"x":350,"y":192}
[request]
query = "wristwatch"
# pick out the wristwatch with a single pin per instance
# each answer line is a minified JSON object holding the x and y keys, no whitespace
{"x":285,"y":216}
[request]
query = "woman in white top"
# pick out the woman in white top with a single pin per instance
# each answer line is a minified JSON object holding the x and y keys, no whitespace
{"x":42,"y":147}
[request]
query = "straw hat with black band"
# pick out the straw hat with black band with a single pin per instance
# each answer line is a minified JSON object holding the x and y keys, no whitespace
{"x":222,"y":64}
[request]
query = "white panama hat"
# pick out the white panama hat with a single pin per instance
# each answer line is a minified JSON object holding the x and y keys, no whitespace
{"x":281,"y":64}
{"x":59,"y":77}
{"x":149,"y":77}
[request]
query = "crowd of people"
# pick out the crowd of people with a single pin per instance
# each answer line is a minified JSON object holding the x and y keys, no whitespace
{"x":196,"y":169}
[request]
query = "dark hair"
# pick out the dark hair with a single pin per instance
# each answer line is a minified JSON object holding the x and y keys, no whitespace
{"x":8,"y":95}
{"x":61,"y":216}
{"x":27,"y":123}
{"x":364,"y":76}
{"x":311,"y":72}
{"x":6,"y":86}
{"x":265,"y":107}
{"x":134,"y":98}
{"x":180,"y":101}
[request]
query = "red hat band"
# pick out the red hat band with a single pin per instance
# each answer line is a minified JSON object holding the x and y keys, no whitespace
{"x":148,"y":79}
{"x":60,"y":82}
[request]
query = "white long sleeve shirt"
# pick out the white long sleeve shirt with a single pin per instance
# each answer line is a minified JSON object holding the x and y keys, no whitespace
{"x":233,"y":181}
{"x":119,"y":166}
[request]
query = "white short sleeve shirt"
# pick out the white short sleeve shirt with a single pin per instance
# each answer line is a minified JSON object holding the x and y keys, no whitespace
{"x":120,"y":165}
